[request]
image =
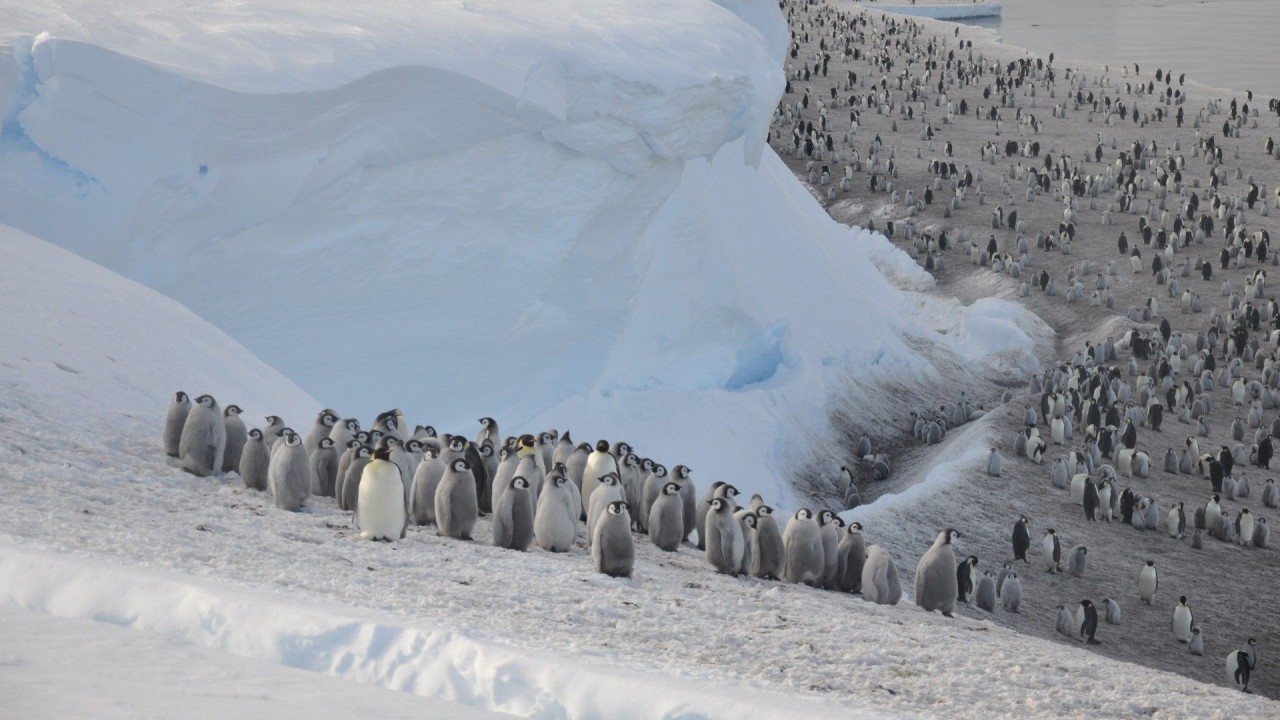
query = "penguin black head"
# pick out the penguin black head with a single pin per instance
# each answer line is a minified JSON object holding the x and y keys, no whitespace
{"x":547,"y":437}
{"x":559,"y":468}
{"x":854,"y":527}
{"x":1049,"y":532}
{"x":430,"y":454}
{"x":804,"y":514}
{"x":255,"y":434}
{"x":602,"y":446}
{"x":825,"y":516}
{"x":363,"y":437}
{"x":718,"y":504}
{"x":972,"y":559}
{"x":631,"y":460}
{"x":426,"y":430}
{"x":486,"y":449}
{"x":364,"y":451}
{"x":375,"y":436}
{"x":951,"y":534}
{"x":1182,"y":600}
{"x":232,"y":410}
{"x":206,"y":400}
{"x":290,"y":437}
{"x":353,"y":443}
{"x":413,"y":446}
{"x":460,"y":465}
{"x":671,"y":489}
{"x":646,"y":465}
{"x":617,"y":507}
{"x":660,"y":470}
{"x":457,"y":443}
{"x":519,"y":483}
{"x":389,"y":442}
{"x":764,"y":511}
{"x":382,"y":453}
{"x":180,"y":397}
{"x":559,"y":480}
{"x":486,"y":422}
{"x":749,"y":519}
{"x":683,"y":472}
{"x":1151,"y":563}
{"x":609,"y":479}
{"x":731,"y":491}
{"x":328,"y":417}
{"x":326,"y":443}
{"x":526,"y":441}
{"x":1087,"y":603}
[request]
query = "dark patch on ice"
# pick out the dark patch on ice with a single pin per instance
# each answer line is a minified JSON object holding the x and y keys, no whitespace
{"x":66,"y":368}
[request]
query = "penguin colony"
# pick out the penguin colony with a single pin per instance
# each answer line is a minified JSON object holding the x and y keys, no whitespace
{"x":1186,"y":229}
{"x":542,"y":490}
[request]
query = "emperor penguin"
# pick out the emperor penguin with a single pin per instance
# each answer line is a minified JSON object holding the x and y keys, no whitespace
{"x":236,"y":437}
{"x":700,"y":517}
{"x":1021,"y":539}
{"x":936,"y":575}
{"x":880,"y":577}
{"x":1261,"y":533}
{"x":289,"y":473}
{"x":204,"y":438}
{"x":853,"y":554}
{"x":599,"y":463}
{"x":555,"y":522}
{"x":457,"y":506}
{"x":380,"y":511}
{"x":750,"y":541}
{"x":773,"y":552}
{"x":654,"y":483}
{"x":1245,"y":527}
{"x":802,"y":540}
{"x":1011,"y":593}
{"x":174,"y":418}
{"x":422,"y":495}
{"x":984,"y":596}
{"x":683,"y":476}
{"x":966,"y":574}
{"x":1182,"y":621}
{"x":324,"y":468}
{"x":349,"y":498}
{"x":320,"y":429}
{"x":666,"y":519}
{"x":508,"y":464}
{"x":1087,"y":620}
{"x":343,"y":431}
{"x":609,"y":490}
{"x":1196,"y":646}
{"x":254,"y":462}
{"x":724,"y":537}
{"x":1271,"y":494}
{"x":612,"y":547}
{"x":830,"y":526}
{"x":576,"y":467}
{"x":1090,"y":500}
{"x":271,"y":433}
{"x":993,"y":463}
{"x":1112,"y":609}
{"x":513,"y":517}
{"x":1148,"y":582}
{"x":629,"y":473}
{"x":1066,"y":624}
{"x":1076,"y":560}
{"x":488,"y":431}
{"x":392,"y":422}
{"x":1176,"y":521}
{"x":1240,"y":664}
{"x":563,"y":450}
{"x":1051,"y":551}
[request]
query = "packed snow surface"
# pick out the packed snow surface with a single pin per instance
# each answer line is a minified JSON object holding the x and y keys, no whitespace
{"x":560,"y":214}
{"x":945,"y":10}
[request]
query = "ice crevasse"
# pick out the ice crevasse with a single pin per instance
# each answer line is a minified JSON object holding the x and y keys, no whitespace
{"x":561,"y":214}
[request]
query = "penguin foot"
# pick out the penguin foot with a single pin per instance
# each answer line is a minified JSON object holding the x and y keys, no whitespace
{"x":1094,"y":642}
{"x":947,"y":614}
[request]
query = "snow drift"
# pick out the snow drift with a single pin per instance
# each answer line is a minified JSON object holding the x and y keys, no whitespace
{"x":559,"y":214}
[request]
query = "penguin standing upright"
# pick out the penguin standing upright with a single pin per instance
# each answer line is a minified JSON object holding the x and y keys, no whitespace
{"x":880,"y":577}
{"x":936,"y":575}
{"x":853,"y":554}
{"x":1148,"y":582}
{"x":236,"y":438}
{"x":1021,"y":539}
{"x":422,"y":495}
{"x":1051,"y":550}
{"x":380,"y":513}
{"x":204,"y":438}
{"x":1011,"y":593}
{"x":666,"y":519}
{"x":555,"y":520}
{"x":683,"y":476}
{"x":653,"y":486}
{"x":1182,"y":621}
{"x":349,"y":498}
{"x":174,"y":418}
{"x":612,"y":547}
{"x":773,"y":552}
{"x":599,"y":463}
{"x":724,"y":538}
{"x":254,"y":462}
{"x":322,"y":427}
{"x":830,"y":526}
{"x":457,"y":506}
{"x":1240,"y":664}
{"x":324,"y":468}
{"x":1087,"y":620}
{"x":289,"y":473}
{"x":513,"y":517}
{"x":802,"y":540}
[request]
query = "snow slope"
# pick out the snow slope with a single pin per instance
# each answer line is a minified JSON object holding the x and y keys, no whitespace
{"x":945,"y":10}
{"x":558,"y":214}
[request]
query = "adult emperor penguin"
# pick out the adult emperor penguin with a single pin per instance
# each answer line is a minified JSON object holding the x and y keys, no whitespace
{"x":380,"y":511}
{"x":1196,"y":646}
{"x":599,"y":463}
{"x":1051,"y":551}
{"x":236,"y":438}
{"x":1112,"y":609}
{"x":1148,"y":582}
{"x":513,"y":517}
{"x":1021,"y":539}
{"x":666,"y":519}
{"x":1076,"y":560}
{"x":724,"y":538}
{"x":350,"y":483}
{"x":204,"y":438}
{"x":174,"y":418}
{"x":773,"y":553}
{"x":1066,"y":624}
{"x":853,"y":554}
{"x":1182,"y":621}
{"x":457,"y":506}
{"x":880,"y":577}
{"x":555,"y":520}
{"x":936,"y":575}
{"x":1245,"y":527}
{"x":612,"y":547}
{"x":422,"y":496}
{"x":289,"y":473}
{"x":1010,"y":593}
{"x":1242,"y":663}
{"x":324,"y":468}
{"x":1087,"y":620}
{"x":966,"y":574}
{"x":254,"y":462}
{"x":320,"y":429}
{"x":1176,"y":521}
{"x":802,"y":540}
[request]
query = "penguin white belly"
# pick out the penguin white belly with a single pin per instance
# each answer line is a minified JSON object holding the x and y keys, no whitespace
{"x":380,"y":511}
{"x":1077,"y":488}
{"x":1182,"y":623}
{"x":1057,"y":431}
